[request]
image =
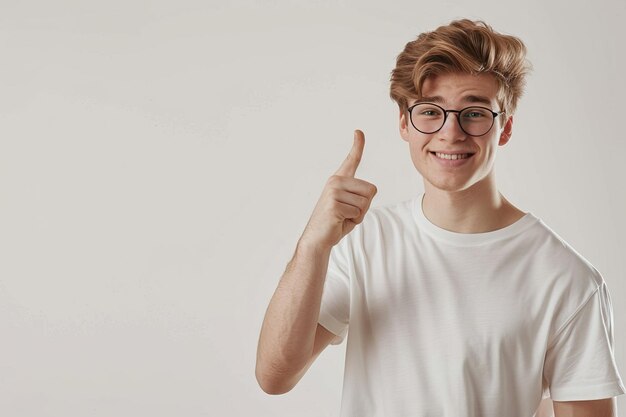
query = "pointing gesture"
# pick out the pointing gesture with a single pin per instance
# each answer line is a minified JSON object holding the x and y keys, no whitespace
{"x":343,"y":203}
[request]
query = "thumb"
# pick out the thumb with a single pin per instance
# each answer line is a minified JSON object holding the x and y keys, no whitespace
{"x":351,"y":163}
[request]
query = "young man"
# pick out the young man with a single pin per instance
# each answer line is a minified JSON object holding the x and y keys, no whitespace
{"x":458,"y":303}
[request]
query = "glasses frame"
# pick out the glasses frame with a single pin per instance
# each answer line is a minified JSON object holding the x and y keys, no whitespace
{"x":458,"y":119}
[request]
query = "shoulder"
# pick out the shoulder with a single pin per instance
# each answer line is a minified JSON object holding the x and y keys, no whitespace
{"x":555,"y":251}
{"x":392,"y":219}
{"x":567,"y":279}
{"x":390,"y":215}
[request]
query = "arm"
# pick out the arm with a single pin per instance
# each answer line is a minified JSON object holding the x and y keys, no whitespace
{"x":606,"y":407}
{"x":581,"y":363}
{"x":290,"y":337}
{"x":287,"y":339}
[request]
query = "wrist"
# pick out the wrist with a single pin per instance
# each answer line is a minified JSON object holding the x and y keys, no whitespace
{"x":312,"y":247}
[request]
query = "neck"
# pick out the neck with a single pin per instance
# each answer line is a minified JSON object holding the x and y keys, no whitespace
{"x":478,"y":209}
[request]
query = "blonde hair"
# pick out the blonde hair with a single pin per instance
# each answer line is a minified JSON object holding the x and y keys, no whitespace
{"x":462,"y":46}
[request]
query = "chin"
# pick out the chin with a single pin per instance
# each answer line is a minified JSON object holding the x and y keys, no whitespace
{"x":448,"y":186}
{"x":451,"y":188}
{"x":450,"y":182}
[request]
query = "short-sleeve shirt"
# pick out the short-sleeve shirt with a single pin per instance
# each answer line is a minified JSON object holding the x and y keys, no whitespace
{"x":441,"y":324}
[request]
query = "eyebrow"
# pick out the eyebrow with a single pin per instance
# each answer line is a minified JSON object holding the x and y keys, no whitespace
{"x":469,"y":98}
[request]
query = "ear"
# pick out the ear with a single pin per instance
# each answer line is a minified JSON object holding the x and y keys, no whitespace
{"x":507,"y":131}
{"x":404,"y":126}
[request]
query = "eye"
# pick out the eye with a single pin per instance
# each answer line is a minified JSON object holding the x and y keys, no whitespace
{"x":476,"y":113}
{"x":427,"y":111}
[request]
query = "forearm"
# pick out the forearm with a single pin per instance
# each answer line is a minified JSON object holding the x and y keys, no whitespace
{"x":288,"y":330}
{"x":606,"y":407}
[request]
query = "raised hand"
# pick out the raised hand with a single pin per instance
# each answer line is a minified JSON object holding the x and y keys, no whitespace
{"x":343,"y":203}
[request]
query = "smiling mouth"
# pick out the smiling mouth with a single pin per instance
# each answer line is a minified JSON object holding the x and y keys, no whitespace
{"x":452,"y":157}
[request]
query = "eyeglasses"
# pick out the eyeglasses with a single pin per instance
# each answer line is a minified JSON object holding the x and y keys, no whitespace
{"x":430,"y":118}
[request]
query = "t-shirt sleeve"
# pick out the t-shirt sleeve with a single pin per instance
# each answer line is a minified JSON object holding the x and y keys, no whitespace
{"x":580,"y":362}
{"x":335,"y":306}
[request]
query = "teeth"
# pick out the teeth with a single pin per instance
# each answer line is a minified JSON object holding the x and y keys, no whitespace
{"x":446,"y":156}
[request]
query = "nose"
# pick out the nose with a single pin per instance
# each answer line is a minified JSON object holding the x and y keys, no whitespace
{"x":451,"y":129}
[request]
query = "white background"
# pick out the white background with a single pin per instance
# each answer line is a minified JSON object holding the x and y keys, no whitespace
{"x":159,"y":160}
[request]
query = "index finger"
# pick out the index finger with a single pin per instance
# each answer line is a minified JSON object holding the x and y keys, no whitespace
{"x":351,"y":163}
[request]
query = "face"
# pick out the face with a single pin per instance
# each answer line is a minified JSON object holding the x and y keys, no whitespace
{"x":454,"y":92}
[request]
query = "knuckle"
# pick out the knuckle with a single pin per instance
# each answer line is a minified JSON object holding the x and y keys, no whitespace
{"x":333,"y":180}
{"x":333,"y":193}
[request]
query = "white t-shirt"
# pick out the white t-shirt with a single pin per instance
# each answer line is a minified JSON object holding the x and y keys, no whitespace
{"x":453,"y":324}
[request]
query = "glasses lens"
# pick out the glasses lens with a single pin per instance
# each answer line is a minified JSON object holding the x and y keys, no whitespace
{"x":476,"y":121}
{"x":427,"y":118}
